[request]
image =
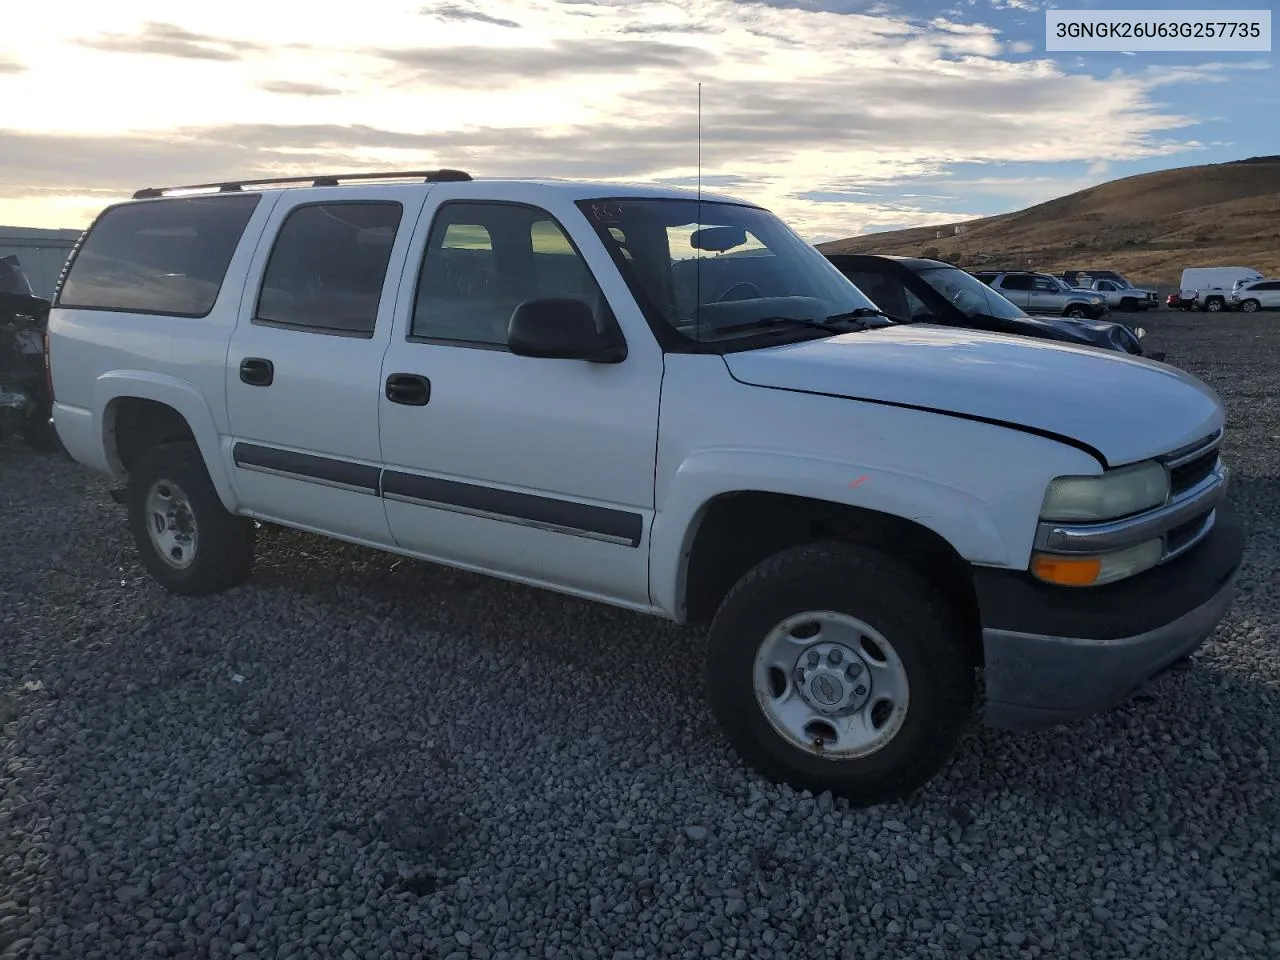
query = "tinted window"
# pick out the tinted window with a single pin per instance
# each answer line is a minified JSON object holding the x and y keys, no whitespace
{"x":968,"y":295}
{"x":162,"y":256}
{"x":1265,"y":286}
{"x":328,"y":267}
{"x":889,"y":293}
{"x":1017,"y":283}
{"x":485,"y":259}
{"x":1045,"y":285}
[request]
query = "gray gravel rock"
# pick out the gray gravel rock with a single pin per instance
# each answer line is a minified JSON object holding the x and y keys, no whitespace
{"x":356,"y":756}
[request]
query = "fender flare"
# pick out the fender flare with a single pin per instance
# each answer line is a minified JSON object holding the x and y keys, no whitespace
{"x":959,"y":518}
{"x":172,"y":392}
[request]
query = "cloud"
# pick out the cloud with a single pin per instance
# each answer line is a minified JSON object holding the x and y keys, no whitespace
{"x":651,"y":28}
{"x":483,"y":67}
{"x":466,"y":13}
{"x":1098,"y":168}
{"x":10,"y":66}
{"x":295,"y":88}
{"x":1020,"y":46}
{"x":825,"y":112}
{"x":168,"y":40}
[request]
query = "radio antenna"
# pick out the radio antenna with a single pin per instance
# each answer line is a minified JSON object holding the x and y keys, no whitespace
{"x":697,"y":261}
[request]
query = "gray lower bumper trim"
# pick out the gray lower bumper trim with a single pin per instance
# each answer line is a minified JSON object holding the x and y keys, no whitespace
{"x":1036,"y":681}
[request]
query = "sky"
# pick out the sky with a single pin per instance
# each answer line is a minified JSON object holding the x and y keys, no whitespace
{"x":843,"y":116}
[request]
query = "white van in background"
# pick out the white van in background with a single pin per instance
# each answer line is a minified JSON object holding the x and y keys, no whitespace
{"x":1215,"y":284}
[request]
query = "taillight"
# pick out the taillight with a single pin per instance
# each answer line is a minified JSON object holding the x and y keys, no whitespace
{"x":48,"y":366}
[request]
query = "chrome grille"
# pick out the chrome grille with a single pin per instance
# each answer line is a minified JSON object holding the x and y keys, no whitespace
{"x":1186,"y":475}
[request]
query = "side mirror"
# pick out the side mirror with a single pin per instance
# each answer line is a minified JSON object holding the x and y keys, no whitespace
{"x":1140,"y":332}
{"x":560,"y":328}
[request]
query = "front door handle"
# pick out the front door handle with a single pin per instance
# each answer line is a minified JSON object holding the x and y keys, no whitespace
{"x":257,"y":372}
{"x":408,"y":388}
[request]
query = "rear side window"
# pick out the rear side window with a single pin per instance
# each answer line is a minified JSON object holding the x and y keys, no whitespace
{"x":328,"y":267}
{"x":162,"y":256}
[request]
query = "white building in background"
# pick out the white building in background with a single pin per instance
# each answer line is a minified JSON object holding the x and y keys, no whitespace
{"x":41,"y":253}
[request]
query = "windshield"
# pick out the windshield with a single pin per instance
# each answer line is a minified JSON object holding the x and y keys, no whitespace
{"x":717,"y":272}
{"x":970,"y":295}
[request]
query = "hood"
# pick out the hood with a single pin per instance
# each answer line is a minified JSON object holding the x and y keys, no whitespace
{"x":1126,"y":408}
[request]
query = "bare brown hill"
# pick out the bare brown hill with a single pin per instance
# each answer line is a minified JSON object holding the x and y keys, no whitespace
{"x":1148,"y":226}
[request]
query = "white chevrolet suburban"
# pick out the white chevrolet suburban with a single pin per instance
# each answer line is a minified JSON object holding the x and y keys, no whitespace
{"x":664,"y":401}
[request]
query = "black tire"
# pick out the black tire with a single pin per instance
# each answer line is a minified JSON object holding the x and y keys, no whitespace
{"x":224,"y":544}
{"x":1213,"y":305}
{"x":911,"y":614}
{"x":1074,"y":312}
{"x":1250,"y":306}
{"x":1129,"y":305}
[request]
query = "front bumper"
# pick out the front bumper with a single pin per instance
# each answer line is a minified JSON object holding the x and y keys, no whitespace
{"x":1055,"y":654}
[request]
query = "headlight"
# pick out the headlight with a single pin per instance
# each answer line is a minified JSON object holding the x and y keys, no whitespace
{"x":1115,"y":494}
{"x":1095,"y":300}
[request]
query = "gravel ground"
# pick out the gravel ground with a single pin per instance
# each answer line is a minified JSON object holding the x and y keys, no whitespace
{"x":359,"y":756}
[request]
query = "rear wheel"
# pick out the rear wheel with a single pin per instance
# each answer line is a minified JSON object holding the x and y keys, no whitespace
{"x":1214,"y":305}
{"x":835,"y":667}
{"x":186,"y":538}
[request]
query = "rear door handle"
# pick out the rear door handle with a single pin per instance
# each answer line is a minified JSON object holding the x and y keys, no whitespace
{"x":257,"y":372}
{"x":408,"y":388}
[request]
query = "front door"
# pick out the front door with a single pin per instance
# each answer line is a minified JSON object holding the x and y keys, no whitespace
{"x":536,"y":469}
{"x":304,"y":365}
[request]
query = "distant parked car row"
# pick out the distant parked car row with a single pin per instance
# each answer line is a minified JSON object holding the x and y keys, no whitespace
{"x":1214,"y":289}
{"x":1045,"y":293}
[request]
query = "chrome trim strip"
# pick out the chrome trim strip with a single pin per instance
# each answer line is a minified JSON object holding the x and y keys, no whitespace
{"x":1192,"y":451}
{"x":508,"y":518}
{"x":1094,"y":538}
{"x":308,"y":478}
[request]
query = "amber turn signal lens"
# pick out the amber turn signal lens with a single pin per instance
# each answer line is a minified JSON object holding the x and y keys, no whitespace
{"x":1068,"y":571}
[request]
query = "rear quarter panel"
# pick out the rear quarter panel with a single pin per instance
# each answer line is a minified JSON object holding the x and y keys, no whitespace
{"x":100,"y":356}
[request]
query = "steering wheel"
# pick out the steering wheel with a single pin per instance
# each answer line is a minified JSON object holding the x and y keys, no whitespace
{"x":740,"y":283}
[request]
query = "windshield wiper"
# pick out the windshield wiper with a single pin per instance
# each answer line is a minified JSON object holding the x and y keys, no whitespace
{"x":863,"y":312}
{"x":853,"y":321}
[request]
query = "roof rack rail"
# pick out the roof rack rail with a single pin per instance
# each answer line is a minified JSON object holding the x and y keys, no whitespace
{"x":322,"y":180}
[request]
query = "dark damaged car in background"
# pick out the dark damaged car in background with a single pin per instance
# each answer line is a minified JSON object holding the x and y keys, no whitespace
{"x":25,"y":402}
{"x":917,"y":290}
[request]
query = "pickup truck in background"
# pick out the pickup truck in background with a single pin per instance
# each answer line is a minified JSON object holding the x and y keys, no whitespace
{"x":1127,"y":299}
{"x":1213,"y":286}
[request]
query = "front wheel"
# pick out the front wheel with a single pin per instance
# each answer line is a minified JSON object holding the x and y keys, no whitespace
{"x":186,"y":538}
{"x":1250,"y":306}
{"x":1076,"y":313}
{"x":835,"y":667}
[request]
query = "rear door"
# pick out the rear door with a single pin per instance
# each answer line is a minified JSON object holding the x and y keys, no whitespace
{"x":1045,"y":296}
{"x":1017,"y":288}
{"x":305,"y":361}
